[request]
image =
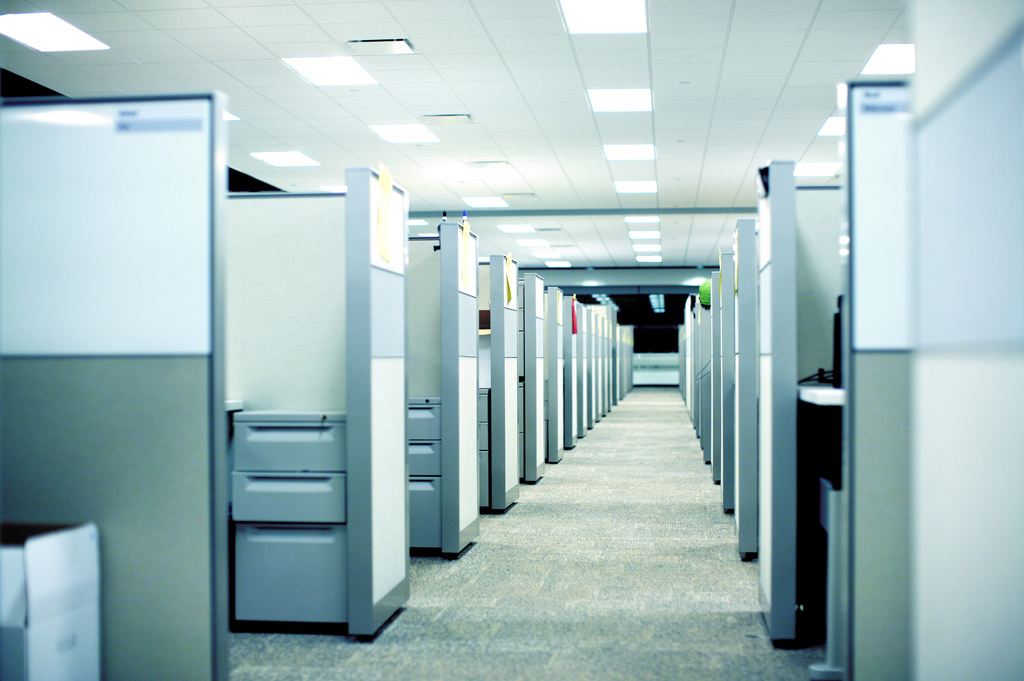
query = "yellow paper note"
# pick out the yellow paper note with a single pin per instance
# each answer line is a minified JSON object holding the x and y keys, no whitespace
{"x":508,"y":278}
{"x":464,"y":232}
{"x":384,"y":213}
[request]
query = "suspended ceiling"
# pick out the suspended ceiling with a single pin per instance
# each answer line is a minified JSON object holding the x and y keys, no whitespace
{"x":735,"y":84}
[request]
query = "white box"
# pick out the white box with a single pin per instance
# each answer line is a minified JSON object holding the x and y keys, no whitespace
{"x":49,"y":602}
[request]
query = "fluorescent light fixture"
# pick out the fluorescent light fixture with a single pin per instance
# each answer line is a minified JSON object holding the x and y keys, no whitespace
{"x":47,"y":33}
{"x":603,"y":100}
{"x":648,"y":258}
{"x":546,"y":255}
{"x":644,"y":234}
{"x":485,"y":201}
{"x":647,"y":248}
{"x":834,"y":126}
{"x":605,"y":16}
{"x":516,"y":229}
{"x":284,"y":159}
{"x":636,"y":187}
{"x":533,"y":243}
{"x":657,"y":301}
{"x":330,"y":70}
{"x":558,"y":263}
{"x":416,"y":223}
{"x":642,"y":219}
{"x":807,"y":169}
{"x":629,"y":152}
{"x":891,"y":59}
{"x":228,"y":116}
{"x":335,"y":189}
{"x":412,"y":133}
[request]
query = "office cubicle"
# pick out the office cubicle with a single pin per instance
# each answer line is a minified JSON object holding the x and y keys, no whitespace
{"x":746,"y":361}
{"x":111,"y":362}
{"x":585,"y":373}
{"x":554,"y":374}
{"x":571,"y":370}
{"x":726,"y":445}
{"x":531,"y":378}
{"x":316,"y":354}
{"x":443,"y":467}
{"x":799,"y":282}
{"x":705,"y":327}
{"x":715,"y":370}
{"x":499,"y":380}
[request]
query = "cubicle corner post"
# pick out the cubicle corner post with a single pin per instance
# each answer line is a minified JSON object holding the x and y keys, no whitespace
{"x":554,"y":356}
{"x":377,"y":446}
{"x":533,"y":366}
{"x":111,"y":346}
{"x":460,"y":512}
{"x":727,"y":392}
{"x":504,"y":463}
{"x":778,"y":399}
{"x":747,"y":358}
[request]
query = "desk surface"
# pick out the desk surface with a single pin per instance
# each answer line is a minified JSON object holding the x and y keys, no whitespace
{"x":825,"y":396}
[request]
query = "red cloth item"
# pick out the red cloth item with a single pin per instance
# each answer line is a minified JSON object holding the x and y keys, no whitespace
{"x":574,"y":314}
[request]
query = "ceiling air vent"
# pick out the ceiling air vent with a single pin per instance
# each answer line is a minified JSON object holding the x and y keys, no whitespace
{"x":489,"y":164}
{"x":447,"y":119}
{"x":373,"y":48}
{"x":517,"y":195}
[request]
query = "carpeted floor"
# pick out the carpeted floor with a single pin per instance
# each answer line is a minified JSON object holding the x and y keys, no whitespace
{"x":618,"y":564}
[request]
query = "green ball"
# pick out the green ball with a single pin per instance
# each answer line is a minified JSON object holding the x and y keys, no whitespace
{"x":705,"y":293}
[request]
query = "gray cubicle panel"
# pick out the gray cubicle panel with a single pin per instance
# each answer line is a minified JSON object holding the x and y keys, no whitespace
{"x":613,"y":343}
{"x":681,"y":342}
{"x":501,"y":477}
{"x":686,"y":351}
{"x":111,"y":362}
{"x":716,"y":379}
{"x":707,"y":409}
{"x":799,"y":282}
{"x":583,"y":421}
{"x":554,"y":374}
{"x":531,"y":360}
{"x":698,"y":367}
{"x":877,"y":378}
{"x":569,"y":350}
{"x":597,"y":361}
{"x":627,"y":366}
{"x":442,"y":374}
{"x":727,"y":393}
{"x":746,"y":362}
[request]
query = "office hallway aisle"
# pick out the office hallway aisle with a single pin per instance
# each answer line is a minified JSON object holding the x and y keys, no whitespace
{"x":618,"y":564}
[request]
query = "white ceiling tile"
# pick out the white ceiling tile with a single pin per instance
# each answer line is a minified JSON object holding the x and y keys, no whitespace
{"x":411,"y":10}
{"x":775,"y":38}
{"x":297,"y":33}
{"x":183,"y":18}
{"x":369,"y":30}
{"x":439,"y":29}
{"x":549,"y":27}
{"x":277,"y":15}
{"x":689,"y":40}
{"x":765,"y":21}
{"x":96,"y":22}
{"x":210,"y":36}
{"x":881,"y":19}
{"x":347,"y":12}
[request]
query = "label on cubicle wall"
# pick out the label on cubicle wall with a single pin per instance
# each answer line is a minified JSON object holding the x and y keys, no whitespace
{"x":388,"y":236}
{"x":511,"y":282}
{"x":468,"y":269}
{"x":111,"y":255}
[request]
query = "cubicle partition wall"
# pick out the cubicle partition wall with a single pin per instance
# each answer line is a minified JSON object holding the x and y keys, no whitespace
{"x":686,"y":351}
{"x":554,"y":375}
{"x":698,"y":366}
{"x":799,"y":283}
{"x":726,"y":303}
{"x":583,"y":419}
{"x":570,"y":371}
{"x":317,"y":358}
{"x":531,"y":377}
{"x":443,"y":467}
{"x":716,"y":378}
{"x":614,"y":340}
{"x":746,"y":362}
{"x":625,"y":360}
{"x":499,"y":464}
{"x":707,"y":409}
{"x":111,"y":365}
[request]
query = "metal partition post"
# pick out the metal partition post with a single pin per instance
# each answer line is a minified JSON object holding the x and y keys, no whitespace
{"x":727,"y":373}
{"x":554,"y":358}
{"x":746,"y":388}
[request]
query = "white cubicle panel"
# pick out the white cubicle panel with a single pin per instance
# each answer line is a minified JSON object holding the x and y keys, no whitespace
{"x":715,"y":369}
{"x":554,"y":373}
{"x":727,"y":374}
{"x":585,"y":421}
{"x":707,"y":409}
{"x":569,"y":349}
{"x":746,"y":363}
{"x":111,"y":361}
{"x":531,"y":354}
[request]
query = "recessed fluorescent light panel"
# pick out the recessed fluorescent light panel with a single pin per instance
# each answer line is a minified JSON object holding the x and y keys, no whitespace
{"x":808,"y":169}
{"x":485,"y":201}
{"x":647,"y":248}
{"x":546,"y":255}
{"x":642,"y":219}
{"x":533,"y":243}
{"x":644,"y":234}
{"x":413,"y":133}
{"x":629,"y":152}
{"x":619,"y":100}
{"x":284,"y":159}
{"x":47,"y":33}
{"x":605,"y":16}
{"x":834,"y":126}
{"x":891,"y":59}
{"x":228,"y":116}
{"x":636,"y":187}
{"x":336,"y":189}
{"x":657,"y":302}
{"x":558,"y":263}
{"x":516,"y":229}
{"x":648,"y":258}
{"x":330,"y":70}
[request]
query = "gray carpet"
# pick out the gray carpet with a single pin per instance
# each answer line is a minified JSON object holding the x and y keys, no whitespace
{"x":618,"y":564}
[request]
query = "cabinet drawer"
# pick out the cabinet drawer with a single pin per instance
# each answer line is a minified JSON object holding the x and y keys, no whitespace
{"x":306,"y":443}
{"x":424,"y":458}
{"x":288,"y":497}
{"x":483,"y":437}
{"x":291,"y":573}
{"x":425,"y":513}
{"x":424,"y":423}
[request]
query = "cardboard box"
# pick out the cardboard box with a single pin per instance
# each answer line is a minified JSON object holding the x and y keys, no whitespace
{"x":49,"y":602}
